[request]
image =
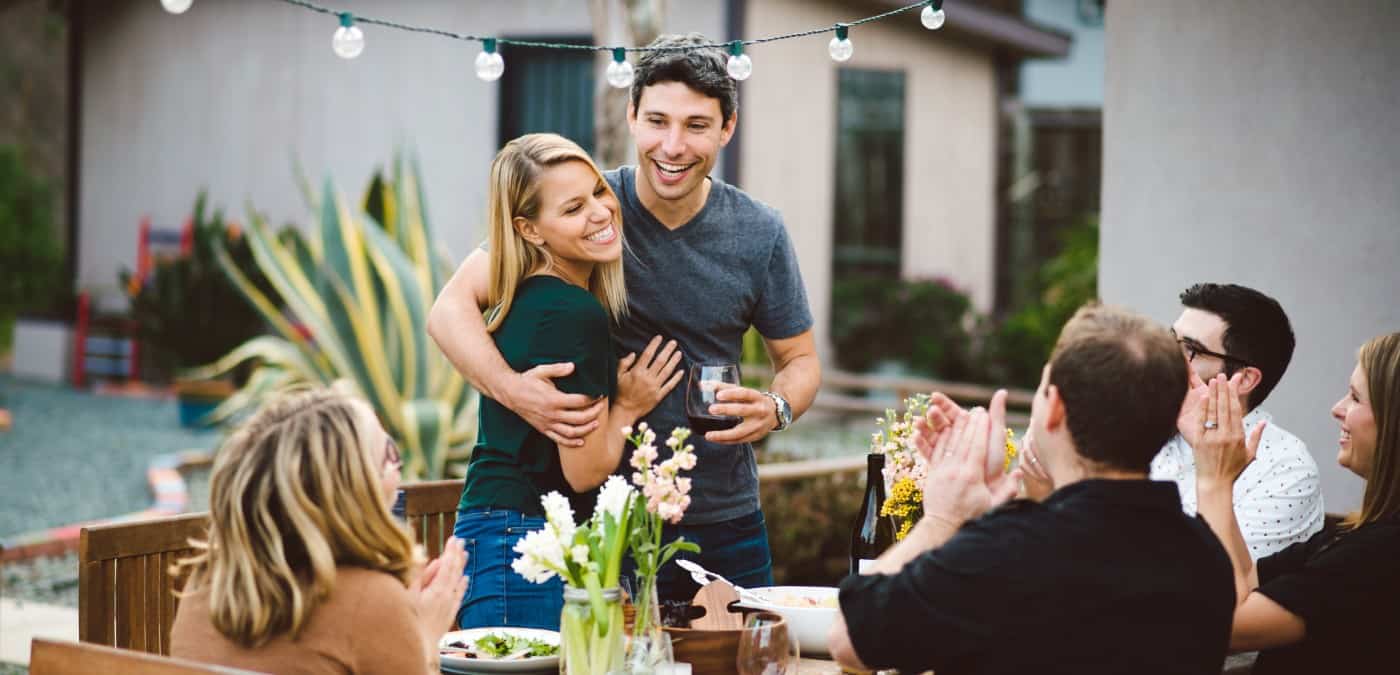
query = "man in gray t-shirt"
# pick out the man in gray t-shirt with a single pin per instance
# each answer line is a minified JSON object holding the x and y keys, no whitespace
{"x":704,"y":262}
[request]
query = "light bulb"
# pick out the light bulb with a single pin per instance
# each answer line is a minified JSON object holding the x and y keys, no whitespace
{"x":740,"y":67}
{"x":932,"y":18}
{"x":489,"y":65}
{"x":176,"y":6}
{"x":620,"y":72}
{"x":348,"y":40}
{"x":620,"y":75}
{"x":840,"y":46}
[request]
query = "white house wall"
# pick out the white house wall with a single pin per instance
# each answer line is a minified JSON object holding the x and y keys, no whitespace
{"x":788,"y":120}
{"x":1244,"y":142}
{"x":223,"y":96}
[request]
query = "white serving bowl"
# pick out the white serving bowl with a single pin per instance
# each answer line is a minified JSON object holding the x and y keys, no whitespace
{"x":808,"y":624}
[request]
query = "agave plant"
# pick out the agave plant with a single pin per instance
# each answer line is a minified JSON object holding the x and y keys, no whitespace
{"x":352,"y":303}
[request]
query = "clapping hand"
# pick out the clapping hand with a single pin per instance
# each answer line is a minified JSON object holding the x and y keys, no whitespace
{"x":438,"y":591}
{"x":958,"y":486}
{"x":1190,"y":421}
{"x":1035,"y":479}
{"x":1222,"y":450}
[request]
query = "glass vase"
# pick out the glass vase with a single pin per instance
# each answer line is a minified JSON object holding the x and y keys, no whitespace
{"x":649,"y":649}
{"x":592,"y":637}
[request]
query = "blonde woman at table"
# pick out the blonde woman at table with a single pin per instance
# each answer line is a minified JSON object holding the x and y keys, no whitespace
{"x":1326,"y":605}
{"x":304,"y":569}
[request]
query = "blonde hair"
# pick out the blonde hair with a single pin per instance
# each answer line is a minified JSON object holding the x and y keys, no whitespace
{"x":1380,"y":361}
{"x":294,"y":492}
{"x":515,"y":193}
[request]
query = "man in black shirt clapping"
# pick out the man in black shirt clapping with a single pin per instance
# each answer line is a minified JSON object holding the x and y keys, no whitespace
{"x":1107,"y":575}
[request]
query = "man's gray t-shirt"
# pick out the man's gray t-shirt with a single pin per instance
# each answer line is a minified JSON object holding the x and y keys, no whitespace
{"x":703,"y":284}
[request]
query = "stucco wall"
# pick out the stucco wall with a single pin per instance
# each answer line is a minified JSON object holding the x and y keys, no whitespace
{"x":788,"y":116}
{"x":1249,"y":143}
{"x":224,"y":95}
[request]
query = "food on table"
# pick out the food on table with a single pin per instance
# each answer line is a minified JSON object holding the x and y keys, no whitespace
{"x":502,"y":646}
{"x":802,"y":601}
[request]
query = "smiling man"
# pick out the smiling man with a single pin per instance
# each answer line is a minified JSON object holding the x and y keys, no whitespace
{"x":704,"y":261}
{"x":1227,"y":328}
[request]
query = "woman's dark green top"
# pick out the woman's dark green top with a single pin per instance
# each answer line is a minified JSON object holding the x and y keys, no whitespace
{"x":513,"y":465}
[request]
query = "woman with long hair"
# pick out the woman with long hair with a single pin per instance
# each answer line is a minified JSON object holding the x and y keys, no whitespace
{"x":304,"y":569}
{"x":556,"y":286}
{"x":1327,"y":604}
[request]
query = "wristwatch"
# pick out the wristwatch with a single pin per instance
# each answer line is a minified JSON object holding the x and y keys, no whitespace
{"x":784,"y":410}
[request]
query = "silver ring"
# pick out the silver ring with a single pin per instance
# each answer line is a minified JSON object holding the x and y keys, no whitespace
{"x":1033,"y":459}
{"x":1210,"y":424}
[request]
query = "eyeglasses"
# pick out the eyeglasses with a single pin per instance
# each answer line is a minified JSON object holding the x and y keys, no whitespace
{"x":1192,"y":349}
{"x":392,"y":458}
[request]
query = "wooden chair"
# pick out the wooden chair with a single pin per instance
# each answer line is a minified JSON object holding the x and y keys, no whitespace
{"x":431,"y":510}
{"x":52,"y":657}
{"x":126,"y":592}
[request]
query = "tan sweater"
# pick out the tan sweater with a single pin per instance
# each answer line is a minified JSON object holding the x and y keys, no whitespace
{"x":367,"y":625}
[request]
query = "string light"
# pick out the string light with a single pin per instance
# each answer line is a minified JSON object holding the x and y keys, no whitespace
{"x":740,"y":66}
{"x":620,"y":73}
{"x":840,"y":46}
{"x":933,"y":17}
{"x":489,"y":64}
{"x":348,"y":41}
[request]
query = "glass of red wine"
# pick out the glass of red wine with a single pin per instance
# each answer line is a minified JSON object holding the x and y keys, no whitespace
{"x":705,"y":382}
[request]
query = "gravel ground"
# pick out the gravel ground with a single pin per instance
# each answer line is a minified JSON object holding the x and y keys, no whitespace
{"x":74,"y":456}
{"x":52,"y":581}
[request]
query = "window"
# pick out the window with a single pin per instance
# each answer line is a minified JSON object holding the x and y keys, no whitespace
{"x":869,"y":217}
{"x":548,"y":90}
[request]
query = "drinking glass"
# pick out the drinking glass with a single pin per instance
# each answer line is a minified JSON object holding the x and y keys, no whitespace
{"x":705,"y":381}
{"x":767,"y":647}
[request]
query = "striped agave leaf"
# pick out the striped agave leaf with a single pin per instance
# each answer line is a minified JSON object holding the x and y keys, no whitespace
{"x":352,"y":303}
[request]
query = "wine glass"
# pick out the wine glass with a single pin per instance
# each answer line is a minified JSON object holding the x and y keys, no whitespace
{"x":705,"y":381}
{"x":766,"y":646}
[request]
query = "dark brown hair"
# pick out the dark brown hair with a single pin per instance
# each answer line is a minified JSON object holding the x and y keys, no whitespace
{"x":1122,"y":379}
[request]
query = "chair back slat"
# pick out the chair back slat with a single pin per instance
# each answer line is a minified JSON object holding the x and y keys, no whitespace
{"x":131,"y":604}
{"x":127,"y":592}
{"x":53,"y":657}
{"x":96,"y":588}
{"x":431,"y":510}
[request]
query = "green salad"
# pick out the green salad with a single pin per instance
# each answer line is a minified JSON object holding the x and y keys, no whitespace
{"x":496,"y":646}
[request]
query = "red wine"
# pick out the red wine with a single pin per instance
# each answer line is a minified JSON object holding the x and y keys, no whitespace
{"x":703,"y":423}
{"x":871,"y":533}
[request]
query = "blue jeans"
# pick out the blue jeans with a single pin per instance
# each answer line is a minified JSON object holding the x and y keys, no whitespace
{"x":497,"y":596}
{"x":736,"y":549}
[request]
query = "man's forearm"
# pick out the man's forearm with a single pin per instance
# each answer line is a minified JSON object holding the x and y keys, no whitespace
{"x":927,"y":534}
{"x":797,"y":382}
{"x":459,"y":329}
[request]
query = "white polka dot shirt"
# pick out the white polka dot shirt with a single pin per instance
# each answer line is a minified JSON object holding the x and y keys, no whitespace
{"x":1278,"y":498}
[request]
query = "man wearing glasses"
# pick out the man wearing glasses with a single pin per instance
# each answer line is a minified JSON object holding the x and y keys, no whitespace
{"x":1227,"y":328}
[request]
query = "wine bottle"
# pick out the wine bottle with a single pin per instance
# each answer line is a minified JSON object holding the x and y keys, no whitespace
{"x":872,"y":532}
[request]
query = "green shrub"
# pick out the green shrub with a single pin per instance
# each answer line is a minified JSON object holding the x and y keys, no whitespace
{"x":187,"y":309}
{"x":30,"y":256}
{"x":809,"y":526}
{"x":1015,"y":349}
{"x":920,"y":322}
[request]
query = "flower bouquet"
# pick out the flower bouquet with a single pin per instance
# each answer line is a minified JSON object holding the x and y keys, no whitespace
{"x":664,"y":496}
{"x":588,"y":557}
{"x":905,"y":466}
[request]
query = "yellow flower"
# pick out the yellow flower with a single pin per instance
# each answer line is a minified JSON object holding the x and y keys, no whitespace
{"x":1011,"y":451}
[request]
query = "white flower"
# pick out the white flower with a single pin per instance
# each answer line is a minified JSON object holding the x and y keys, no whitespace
{"x":541,"y":555}
{"x":560,"y":515}
{"x":579,"y":553}
{"x":613,"y":498}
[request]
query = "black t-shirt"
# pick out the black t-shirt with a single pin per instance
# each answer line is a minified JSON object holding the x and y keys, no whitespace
{"x":1346,"y":589}
{"x":1105,"y":576}
{"x":512,"y":465}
